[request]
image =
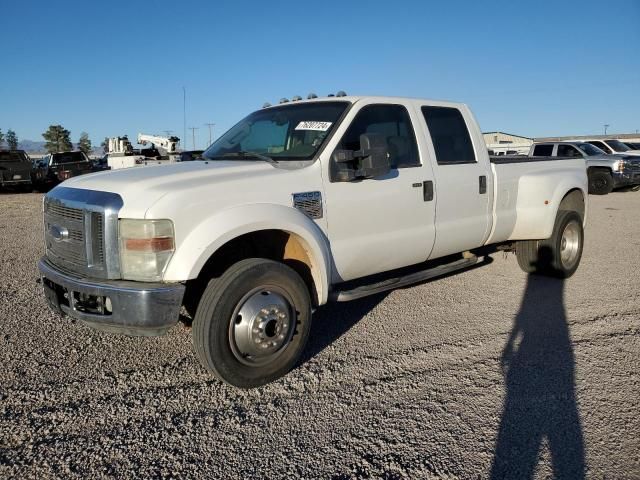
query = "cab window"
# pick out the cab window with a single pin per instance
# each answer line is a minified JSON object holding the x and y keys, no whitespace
{"x":393,"y":122}
{"x":601,"y":146}
{"x":449,"y":135}
{"x":568,"y":151}
{"x":543,"y":150}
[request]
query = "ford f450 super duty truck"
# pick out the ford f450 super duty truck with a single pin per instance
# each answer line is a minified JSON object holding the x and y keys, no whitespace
{"x":299,"y":204}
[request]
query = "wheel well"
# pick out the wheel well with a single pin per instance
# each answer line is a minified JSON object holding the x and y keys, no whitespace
{"x":573,"y":201}
{"x":277,"y":245}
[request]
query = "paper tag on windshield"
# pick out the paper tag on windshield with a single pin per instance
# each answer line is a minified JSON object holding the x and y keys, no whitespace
{"x":317,"y":126}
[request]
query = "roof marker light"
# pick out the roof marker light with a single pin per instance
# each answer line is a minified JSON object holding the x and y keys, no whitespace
{"x":341,"y":93}
{"x":266,"y":104}
{"x":284,"y":100}
{"x":296,"y":98}
{"x":312,"y":95}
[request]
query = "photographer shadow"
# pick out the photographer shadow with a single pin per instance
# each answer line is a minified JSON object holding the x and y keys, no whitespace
{"x":540,"y":401}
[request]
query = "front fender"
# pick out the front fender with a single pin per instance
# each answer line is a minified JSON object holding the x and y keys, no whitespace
{"x":214,"y":231}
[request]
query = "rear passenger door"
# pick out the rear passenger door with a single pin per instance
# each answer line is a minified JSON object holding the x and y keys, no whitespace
{"x":463,"y":180}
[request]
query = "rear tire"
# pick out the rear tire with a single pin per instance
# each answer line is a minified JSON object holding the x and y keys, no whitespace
{"x":558,"y":256}
{"x":252,"y":323}
{"x":600,"y":182}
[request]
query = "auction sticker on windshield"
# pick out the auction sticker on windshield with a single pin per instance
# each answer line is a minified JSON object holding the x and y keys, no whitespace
{"x":317,"y":126}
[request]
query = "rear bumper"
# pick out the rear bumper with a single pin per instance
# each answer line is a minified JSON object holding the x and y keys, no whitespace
{"x":25,"y":181}
{"x":130,"y":308}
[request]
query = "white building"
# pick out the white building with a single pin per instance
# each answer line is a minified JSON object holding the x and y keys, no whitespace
{"x":501,"y":143}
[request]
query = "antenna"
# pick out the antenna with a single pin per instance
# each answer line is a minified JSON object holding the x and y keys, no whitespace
{"x":184,"y":115}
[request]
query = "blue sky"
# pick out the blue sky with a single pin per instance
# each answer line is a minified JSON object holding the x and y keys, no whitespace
{"x":532,"y":68}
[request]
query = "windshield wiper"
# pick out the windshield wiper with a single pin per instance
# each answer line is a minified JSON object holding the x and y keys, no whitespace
{"x":243,"y":155}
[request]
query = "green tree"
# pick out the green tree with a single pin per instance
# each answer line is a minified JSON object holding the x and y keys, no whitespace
{"x":58,"y":139}
{"x":84,"y":144}
{"x":12,"y":139}
{"x":105,"y":145}
{"x":1,"y":138}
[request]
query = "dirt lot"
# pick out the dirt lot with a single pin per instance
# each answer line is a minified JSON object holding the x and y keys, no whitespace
{"x":483,"y":373}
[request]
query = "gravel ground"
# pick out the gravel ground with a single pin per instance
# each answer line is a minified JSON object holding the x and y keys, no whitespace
{"x":483,"y":373}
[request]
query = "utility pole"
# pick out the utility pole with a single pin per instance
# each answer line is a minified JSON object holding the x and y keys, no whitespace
{"x":184,"y":114}
{"x":606,"y":125}
{"x":193,"y":133}
{"x":210,"y":125}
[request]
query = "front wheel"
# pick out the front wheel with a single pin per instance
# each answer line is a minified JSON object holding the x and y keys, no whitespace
{"x":252,"y":323}
{"x":600,"y":182}
{"x":559,"y":255}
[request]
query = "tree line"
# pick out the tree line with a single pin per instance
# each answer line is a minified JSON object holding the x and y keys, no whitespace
{"x":57,"y":138}
{"x":11,"y":138}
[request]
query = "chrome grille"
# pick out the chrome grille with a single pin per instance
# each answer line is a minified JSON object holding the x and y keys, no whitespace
{"x":61,"y":211}
{"x":70,"y":252}
{"x":80,"y":232}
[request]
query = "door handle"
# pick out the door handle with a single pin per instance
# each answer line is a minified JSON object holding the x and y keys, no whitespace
{"x":427,"y":190}
{"x":483,"y":184}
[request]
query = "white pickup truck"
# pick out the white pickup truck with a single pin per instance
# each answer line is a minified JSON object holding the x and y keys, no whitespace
{"x":299,"y":204}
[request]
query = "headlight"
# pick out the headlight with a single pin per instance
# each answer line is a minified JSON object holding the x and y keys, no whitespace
{"x":146,"y":246}
{"x":620,"y":166}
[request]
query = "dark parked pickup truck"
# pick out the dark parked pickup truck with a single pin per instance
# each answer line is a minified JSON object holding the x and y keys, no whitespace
{"x":57,"y":167}
{"x":15,"y":168}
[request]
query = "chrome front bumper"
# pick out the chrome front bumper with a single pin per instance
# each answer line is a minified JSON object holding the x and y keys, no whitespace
{"x":131,"y":308}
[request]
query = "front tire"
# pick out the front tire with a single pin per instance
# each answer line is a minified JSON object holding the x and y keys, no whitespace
{"x":600,"y":182}
{"x":252,"y":323}
{"x":559,"y":256}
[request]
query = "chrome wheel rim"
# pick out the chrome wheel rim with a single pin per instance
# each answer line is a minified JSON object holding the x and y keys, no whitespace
{"x":261,"y":326}
{"x":570,"y":245}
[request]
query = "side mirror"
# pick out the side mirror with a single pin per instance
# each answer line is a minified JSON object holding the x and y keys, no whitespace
{"x":372,"y":160}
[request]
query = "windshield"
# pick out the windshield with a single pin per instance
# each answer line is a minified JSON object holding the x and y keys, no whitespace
{"x":68,"y":157}
{"x":12,"y":157}
{"x":590,"y":150}
{"x":617,"y":146}
{"x":288,"y":132}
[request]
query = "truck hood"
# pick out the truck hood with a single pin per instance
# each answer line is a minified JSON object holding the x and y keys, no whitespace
{"x":141,"y":187}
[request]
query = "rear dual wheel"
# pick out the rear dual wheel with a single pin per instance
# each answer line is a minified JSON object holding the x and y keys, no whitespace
{"x":558,"y":256}
{"x":252,"y":322}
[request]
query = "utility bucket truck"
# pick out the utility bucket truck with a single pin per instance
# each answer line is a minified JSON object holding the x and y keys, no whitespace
{"x":160,"y":150}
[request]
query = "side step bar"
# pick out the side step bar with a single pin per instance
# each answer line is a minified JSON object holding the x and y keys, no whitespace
{"x":398,"y":282}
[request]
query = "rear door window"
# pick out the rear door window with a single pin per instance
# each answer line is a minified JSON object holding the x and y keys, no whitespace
{"x":543,"y":150}
{"x":449,"y":135}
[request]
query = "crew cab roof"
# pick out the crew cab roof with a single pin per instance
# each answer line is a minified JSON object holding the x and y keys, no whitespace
{"x":375,"y":99}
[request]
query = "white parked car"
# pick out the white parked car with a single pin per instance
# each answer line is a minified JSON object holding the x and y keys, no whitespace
{"x":299,"y":204}
{"x":611,"y":146}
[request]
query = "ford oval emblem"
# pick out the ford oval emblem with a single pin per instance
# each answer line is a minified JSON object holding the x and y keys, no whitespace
{"x":59,"y":234}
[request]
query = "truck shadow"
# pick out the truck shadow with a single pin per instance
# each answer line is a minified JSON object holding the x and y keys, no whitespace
{"x":540,"y":402}
{"x":333,"y":320}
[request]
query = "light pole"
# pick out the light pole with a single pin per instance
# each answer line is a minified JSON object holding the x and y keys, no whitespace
{"x":210,"y":125}
{"x":606,"y":125}
{"x":193,"y":133}
{"x":184,"y":114}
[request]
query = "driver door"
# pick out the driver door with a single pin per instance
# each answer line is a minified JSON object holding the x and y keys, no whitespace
{"x":383,"y":223}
